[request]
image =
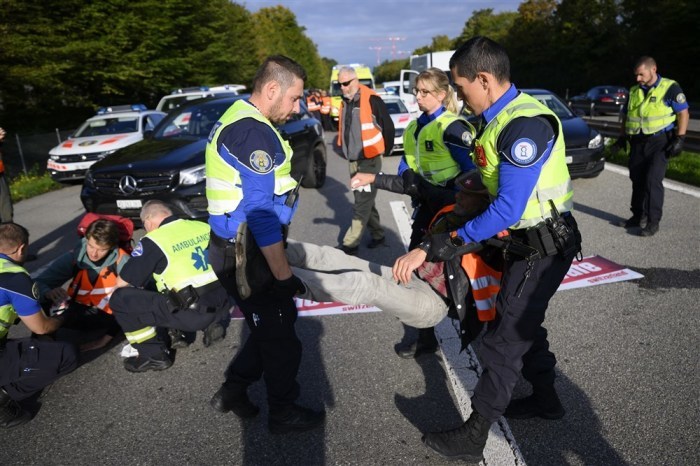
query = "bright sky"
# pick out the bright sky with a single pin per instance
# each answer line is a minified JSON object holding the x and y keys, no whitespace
{"x":350,"y":31}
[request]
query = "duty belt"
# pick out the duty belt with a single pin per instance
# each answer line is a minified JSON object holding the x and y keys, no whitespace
{"x":220,"y":242}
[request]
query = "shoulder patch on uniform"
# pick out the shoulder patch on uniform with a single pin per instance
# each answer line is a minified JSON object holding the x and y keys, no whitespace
{"x":35,"y":290}
{"x":467,"y":138}
{"x":138,"y":250}
{"x":680,"y":98}
{"x":523,"y":151}
{"x":260,"y":161}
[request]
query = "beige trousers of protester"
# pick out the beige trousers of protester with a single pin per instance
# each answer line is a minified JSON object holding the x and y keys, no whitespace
{"x":331,"y":275}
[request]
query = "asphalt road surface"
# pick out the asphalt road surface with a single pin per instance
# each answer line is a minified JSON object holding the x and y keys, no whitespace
{"x":627,"y":360}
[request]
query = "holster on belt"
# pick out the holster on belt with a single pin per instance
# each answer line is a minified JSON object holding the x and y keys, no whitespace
{"x":253,"y":273}
{"x":182,"y":299}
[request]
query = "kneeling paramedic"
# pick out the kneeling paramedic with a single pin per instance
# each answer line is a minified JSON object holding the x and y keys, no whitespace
{"x":174,"y":254}
{"x":27,"y":365}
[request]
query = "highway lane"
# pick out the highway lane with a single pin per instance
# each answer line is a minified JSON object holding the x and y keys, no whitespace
{"x":627,"y":352}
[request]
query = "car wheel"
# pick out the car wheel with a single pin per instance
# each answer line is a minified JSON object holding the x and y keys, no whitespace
{"x":315,"y":175}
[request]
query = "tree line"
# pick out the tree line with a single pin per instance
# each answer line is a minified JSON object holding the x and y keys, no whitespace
{"x":570,"y":46}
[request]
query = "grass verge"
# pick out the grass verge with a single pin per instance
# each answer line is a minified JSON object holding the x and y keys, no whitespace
{"x":32,"y":184}
{"x":685,"y":168}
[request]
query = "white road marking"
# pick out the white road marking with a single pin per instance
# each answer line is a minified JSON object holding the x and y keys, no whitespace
{"x":668,"y":184}
{"x":463,"y":370}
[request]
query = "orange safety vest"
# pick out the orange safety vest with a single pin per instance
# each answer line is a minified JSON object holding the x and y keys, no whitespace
{"x":485,"y":281}
{"x":372,"y":138}
{"x":97,"y":294}
{"x":312,"y":103}
{"x":325,"y":105}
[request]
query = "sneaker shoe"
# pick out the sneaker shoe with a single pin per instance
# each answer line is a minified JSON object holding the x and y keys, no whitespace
{"x":350,"y":251}
{"x":634,"y":221}
{"x":154,"y":363}
{"x":375,"y":243}
{"x":178,"y":340}
{"x":295,"y":418}
{"x":213,"y":333}
{"x":650,"y":230}
{"x":224,"y":401}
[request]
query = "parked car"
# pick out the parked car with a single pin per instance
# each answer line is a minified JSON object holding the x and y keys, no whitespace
{"x":400,"y":116}
{"x":600,"y":100}
{"x":179,"y":96}
{"x":113,"y":128}
{"x":584,"y":145}
{"x":169,"y":164}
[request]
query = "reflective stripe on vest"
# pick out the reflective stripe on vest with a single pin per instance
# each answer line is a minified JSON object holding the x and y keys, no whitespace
{"x":8,"y":315}
{"x":183,"y":242}
{"x":313,"y":104}
{"x":223,"y":182}
{"x":371,"y":134}
{"x":325,"y":105}
{"x":97,"y":294}
{"x":435,"y":165}
{"x":649,"y":114}
{"x":554,"y":182}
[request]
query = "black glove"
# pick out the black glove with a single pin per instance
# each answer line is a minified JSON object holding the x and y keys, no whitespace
{"x":288,"y":288}
{"x":442,"y":247}
{"x":675,"y":147}
{"x":620,"y":144}
{"x":410,"y":183}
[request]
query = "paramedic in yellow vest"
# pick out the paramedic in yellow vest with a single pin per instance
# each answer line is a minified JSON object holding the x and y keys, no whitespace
{"x":27,"y":365}
{"x":655,"y":122}
{"x":91,"y":269}
{"x":252,"y":199}
{"x":519,"y":150}
{"x":365,"y":135}
{"x":173,"y":253}
{"x":437,"y":147}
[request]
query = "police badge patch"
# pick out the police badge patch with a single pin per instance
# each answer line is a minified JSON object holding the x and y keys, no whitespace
{"x":523,"y":151}
{"x":680,"y":98}
{"x":467,"y":138}
{"x":35,"y":291}
{"x":260,"y":161}
{"x":138,"y":250}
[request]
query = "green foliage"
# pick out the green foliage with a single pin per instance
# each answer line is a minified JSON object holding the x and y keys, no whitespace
{"x":684,"y":168}
{"x":32,"y":184}
{"x":485,"y":23}
{"x":389,"y":70}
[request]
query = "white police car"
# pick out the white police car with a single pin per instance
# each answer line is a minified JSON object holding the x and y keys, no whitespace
{"x":179,"y":96}
{"x":111,"y":129}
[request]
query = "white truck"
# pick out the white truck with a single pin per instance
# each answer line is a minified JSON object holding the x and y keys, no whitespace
{"x":417,"y":64}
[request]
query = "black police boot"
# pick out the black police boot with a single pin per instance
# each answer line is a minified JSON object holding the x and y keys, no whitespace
{"x":156,"y":362}
{"x":426,"y":343}
{"x":634,"y":221}
{"x":544,"y":402}
{"x":226,"y":400}
{"x":178,"y":340}
{"x":294,"y":418}
{"x":466,"y":442}
{"x":11,"y":413}
{"x":650,"y":230}
{"x":213,"y":333}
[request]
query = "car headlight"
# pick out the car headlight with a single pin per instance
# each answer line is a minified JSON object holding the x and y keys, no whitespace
{"x":192,"y":175}
{"x":596,"y":142}
{"x":54,"y":157}
{"x":89,"y":180}
{"x":102,"y":155}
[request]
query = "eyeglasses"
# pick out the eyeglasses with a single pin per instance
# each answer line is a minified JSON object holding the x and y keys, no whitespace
{"x":422,"y":92}
{"x":346,"y":83}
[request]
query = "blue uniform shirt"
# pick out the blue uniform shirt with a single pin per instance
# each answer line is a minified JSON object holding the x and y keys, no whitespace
{"x":236,"y":143}
{"x":19,"y":290}
{"x":516,"y":178}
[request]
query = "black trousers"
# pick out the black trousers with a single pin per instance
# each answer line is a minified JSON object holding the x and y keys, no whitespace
{"x":87,"y":319}
{"x":273,"y":349}
{"x":647,"y":167}
{"x":27,"y":365}
{"x":516,"y":341}
{"x":135,"y":309}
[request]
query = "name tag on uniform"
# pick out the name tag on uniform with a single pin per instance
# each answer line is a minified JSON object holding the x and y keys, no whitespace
{"x":429,"y":145}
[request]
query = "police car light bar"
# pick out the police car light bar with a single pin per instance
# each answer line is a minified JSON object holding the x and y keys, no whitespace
{"x":190,"y":89}
{"x":122,"y":108}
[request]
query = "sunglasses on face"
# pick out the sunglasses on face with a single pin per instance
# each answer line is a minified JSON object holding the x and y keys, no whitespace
{"x":346,"y":83}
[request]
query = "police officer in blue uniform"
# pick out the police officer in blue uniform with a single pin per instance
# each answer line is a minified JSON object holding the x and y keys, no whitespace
{"x":189,"y":298}
{"x":519,"y":150}
{"x":27,"y":364}
{"x":251,"y":198}
{"x":655,"y":122}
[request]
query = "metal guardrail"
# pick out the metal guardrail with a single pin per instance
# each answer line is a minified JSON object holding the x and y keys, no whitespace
{"x":612,"y":129}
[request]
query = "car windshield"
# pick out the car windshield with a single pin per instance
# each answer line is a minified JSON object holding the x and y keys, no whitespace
{"x":193,"y":121}
{"x":103,"y":126}
{"x":395,"y":106}
{"x":556,"y":105}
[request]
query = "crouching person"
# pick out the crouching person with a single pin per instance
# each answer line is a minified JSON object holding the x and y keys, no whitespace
{"x":27,"y":365}
{"x":189,"y":298}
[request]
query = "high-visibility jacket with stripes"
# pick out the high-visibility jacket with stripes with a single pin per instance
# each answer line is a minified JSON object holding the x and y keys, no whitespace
{"x":370,"y":132}
{"x":184,"y":244}
{"x":96,"y":294}
{"x":313,"y":104}
{"x":325,"y":105}
{"x":649,"y":114}
{"x":427,"y":154}
{"x":223,"y":184}
{"x":554,"y":181}
{"x":8,"y":315}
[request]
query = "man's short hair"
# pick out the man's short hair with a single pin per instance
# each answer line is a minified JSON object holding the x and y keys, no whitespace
{"x":278,"y":68}
{"x":12,"y":236}
{"x":481,"y":55}
{"x":155,"y":208}
{"x":347,"y":70}
{"x":645,"y":61}
{"x":104,"y":232}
